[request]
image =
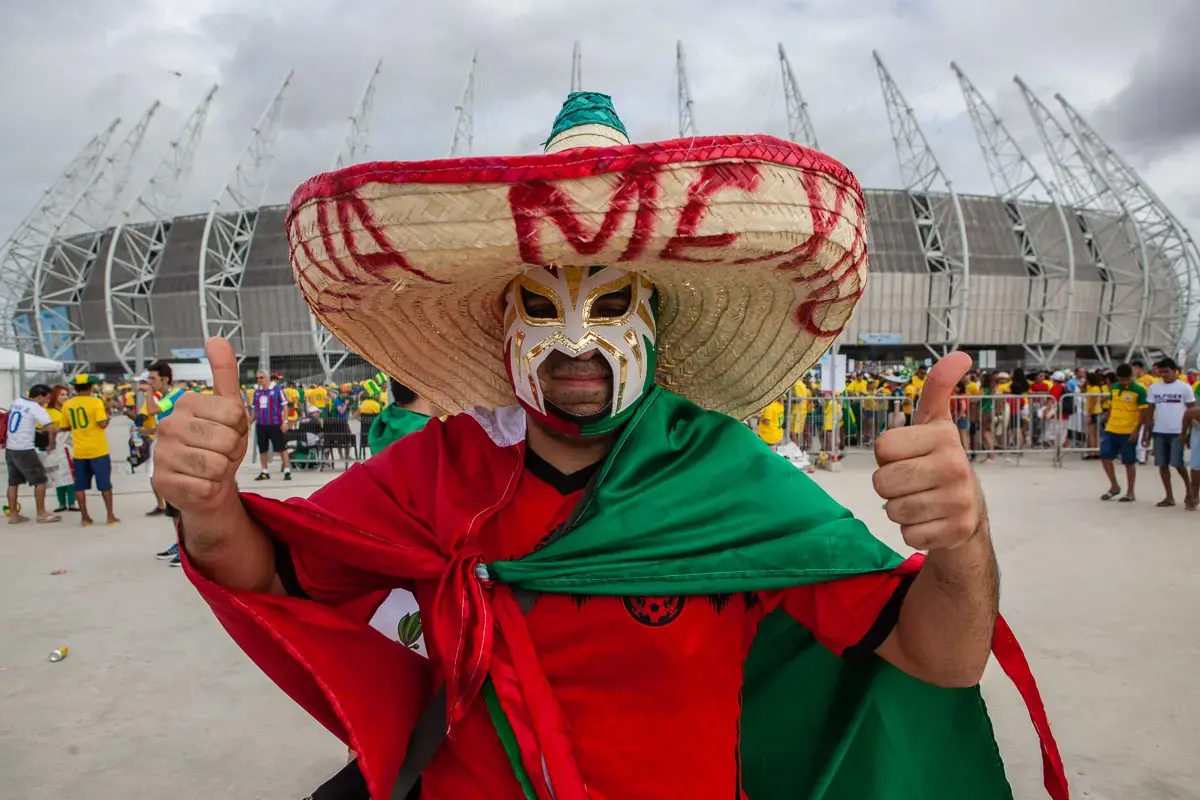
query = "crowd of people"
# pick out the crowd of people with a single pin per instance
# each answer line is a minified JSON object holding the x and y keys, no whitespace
{"x":1126,"y":414}
{"x":56,"y":436}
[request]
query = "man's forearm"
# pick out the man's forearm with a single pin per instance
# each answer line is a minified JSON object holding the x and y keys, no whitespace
{"x":231,"y":549}
{"x":949,"y":615}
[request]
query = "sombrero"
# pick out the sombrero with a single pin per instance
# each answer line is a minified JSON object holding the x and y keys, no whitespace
{"x":757,"y":248}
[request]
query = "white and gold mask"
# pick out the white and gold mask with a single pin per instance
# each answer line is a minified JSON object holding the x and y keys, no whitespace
{"x":626,"y":342}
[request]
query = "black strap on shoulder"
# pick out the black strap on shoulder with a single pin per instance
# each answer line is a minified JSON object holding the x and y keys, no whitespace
{"x":427,"y":737}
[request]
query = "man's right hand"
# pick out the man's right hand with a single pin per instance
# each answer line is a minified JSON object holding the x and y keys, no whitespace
{"x":202,"y":443}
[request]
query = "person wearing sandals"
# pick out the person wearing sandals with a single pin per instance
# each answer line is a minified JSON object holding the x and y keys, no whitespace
{"x":1169,"y":399}
{"x":1121,"y":432}
{"x":21,"y":456}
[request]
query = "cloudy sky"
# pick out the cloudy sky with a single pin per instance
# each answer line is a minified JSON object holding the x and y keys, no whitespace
{"x":70,"y":66}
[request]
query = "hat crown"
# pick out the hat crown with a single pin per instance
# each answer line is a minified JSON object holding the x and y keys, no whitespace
{"x":587,"y":119}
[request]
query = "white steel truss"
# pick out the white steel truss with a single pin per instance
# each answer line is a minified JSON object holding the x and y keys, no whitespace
{"x":464,"y":116}
{"x":577,"y":69}
{"x":1174,"y":265}
{"x":1046,"y":245}
{"x":936,"y":211}
{"x":330,"y":351}
{"x":21,"y":253}
{"x":229,"y":230}
{"x":67,"y":261}
{"x":357,"y":143}
{"x":800,"y":127}
{"x":1112,"y":240}
{"x":687,"y":116}
{"x":136,"y":246}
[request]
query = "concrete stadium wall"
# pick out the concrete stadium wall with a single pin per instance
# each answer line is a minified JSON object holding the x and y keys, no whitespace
{"x":897,"y":292}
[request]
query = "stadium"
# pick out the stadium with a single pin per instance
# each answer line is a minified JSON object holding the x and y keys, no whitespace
{"x":1082,"y":265}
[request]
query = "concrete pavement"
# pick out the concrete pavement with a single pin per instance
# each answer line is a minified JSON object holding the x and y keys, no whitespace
{"x":154,"y":701}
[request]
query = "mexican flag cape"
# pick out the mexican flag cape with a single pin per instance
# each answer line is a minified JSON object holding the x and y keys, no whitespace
{"x":662,"y":517}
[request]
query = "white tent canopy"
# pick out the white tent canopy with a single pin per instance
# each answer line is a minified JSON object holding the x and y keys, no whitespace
{"x":10,"y":373}
{"x":11,"y":359}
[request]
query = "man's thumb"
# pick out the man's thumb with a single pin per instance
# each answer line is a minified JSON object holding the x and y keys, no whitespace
{"x":939,"y":387}
{"x":224,"y":367}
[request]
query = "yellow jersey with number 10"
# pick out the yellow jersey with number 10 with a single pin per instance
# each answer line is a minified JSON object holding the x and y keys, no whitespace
{"x":83,"y":414}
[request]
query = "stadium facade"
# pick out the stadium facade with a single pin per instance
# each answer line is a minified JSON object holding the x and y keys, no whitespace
{"x":1084,"y":264}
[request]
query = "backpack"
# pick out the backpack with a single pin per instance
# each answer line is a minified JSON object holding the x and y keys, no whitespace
{"x":1068,"y":404}
{"x":4,"y":427}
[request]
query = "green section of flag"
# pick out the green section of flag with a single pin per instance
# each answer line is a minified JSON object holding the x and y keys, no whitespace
{"x":814,"y":726}
{"x":393,"y":423}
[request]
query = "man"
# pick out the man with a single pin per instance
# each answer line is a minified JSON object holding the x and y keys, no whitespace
{"x":20,"y":454}
{"x":1169,"y":399}
{"x":162,"y":394}
{"x":1127,"y":402}
{"x":1146,"y":379}
{"x":272,"y":411}
{"x":594,"y":564}
{"x":407,"y":413}
{"x":770,"y":424}
{"x":295,"y":399}
{"x":912,"y":392}
{"x":87,"y":416}
{"x":1191,"y":429}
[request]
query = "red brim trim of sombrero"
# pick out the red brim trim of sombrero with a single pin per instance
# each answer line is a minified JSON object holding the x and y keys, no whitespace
{"x":570,"y":164}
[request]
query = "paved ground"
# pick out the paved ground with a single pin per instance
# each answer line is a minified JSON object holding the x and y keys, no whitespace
{"x":155,"y":702}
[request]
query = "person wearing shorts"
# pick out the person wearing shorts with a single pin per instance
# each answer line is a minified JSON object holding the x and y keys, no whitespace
{"x":87,"y":417}
{"x":270,"y":422}
{"x":1121,"y":432}
{"x":1169,"y":399}
{"x":1191,"y":427}
{"x":21,"y":456}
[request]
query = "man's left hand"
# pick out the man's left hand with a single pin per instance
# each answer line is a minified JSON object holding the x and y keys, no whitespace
{"x":924,"y":473}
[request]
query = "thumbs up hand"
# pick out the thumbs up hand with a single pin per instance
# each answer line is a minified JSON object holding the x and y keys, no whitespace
{"x":202,"y":443}
{"x":924,"y":473}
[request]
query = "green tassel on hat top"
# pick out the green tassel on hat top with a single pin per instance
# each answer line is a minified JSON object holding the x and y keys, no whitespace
{"x":587,"y":119}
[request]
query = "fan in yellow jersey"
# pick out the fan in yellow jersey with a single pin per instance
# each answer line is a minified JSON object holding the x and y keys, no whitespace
{"x":317,"y":396}
{"x":1140,"y":376}
{"x":87,"y":418}
{"x":770,"y":424}
{"x":799,"y":421}
{"x":293,"y":397}
{"x":1121,"y":432}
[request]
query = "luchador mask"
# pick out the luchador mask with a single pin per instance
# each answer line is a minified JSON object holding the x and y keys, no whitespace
{"x":626,"y":342}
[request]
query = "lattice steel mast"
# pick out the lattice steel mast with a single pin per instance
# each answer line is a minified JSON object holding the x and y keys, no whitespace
{"x":1111,"y":238}
{"x":687,"y":117}
{"x":136,"y":247}
{"x":1046,"y":245}
{"x":464,"y":116}
{"x":1174,"y":256}
{"x":330,"y":351}
{"x":67,"y":262}
{"x":935,"y":215}
{"x":354,"y":150}
{"x":229,"y":230}
{"x":800,"y":127}
{"x":21,"y":253}
{"x":577,"y":69}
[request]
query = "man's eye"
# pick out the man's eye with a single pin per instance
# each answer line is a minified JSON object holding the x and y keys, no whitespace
{"x":538,"y":306}
{"x":613,"y":304}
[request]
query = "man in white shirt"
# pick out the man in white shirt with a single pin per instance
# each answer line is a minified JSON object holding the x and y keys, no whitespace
{"x":24,"y":465}
{"x":1169,"y":400}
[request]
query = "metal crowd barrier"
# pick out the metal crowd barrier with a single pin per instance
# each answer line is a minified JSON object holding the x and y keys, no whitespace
{"x":1012,"y":428}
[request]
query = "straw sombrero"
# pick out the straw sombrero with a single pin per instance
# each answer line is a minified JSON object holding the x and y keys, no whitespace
{"x":757,"y":247}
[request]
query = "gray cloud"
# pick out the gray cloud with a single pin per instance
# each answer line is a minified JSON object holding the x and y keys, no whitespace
{"x":1159,"y":109}
{"x":80,"y":63}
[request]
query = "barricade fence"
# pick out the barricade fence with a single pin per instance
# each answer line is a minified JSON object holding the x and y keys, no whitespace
{"x":1009,"y":427}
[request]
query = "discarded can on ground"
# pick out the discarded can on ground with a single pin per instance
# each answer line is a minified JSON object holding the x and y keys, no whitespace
{"x":58,"y":654}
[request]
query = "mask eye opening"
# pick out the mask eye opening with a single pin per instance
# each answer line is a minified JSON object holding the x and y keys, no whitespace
{"x":613,"y":305}
{"x":537,"y":305}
